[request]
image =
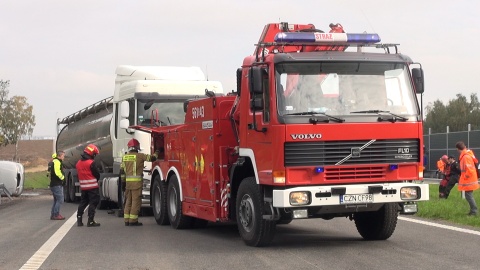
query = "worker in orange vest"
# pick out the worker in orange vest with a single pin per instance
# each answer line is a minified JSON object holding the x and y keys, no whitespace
{"x":441,"y":166}
{"x":468,"y":181}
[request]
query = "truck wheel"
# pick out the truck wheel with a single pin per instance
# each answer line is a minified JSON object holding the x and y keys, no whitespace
{"x":71,"y":188}
{"x":378,"y":225}
{"x":66,"y":193}
{"x":174,"y":205}
{"x":159,"y":201}
{"x":254,"y":230}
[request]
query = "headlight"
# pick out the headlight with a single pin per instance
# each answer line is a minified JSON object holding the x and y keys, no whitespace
{"x":300,"y":198}
{"x":409,"y":193}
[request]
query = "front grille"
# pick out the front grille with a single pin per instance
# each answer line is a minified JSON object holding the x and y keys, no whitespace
{"x":356,"y":173}
{"x":333,"y":152}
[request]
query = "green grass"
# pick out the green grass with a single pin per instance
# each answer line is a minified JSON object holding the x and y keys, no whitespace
{"x":35,"y":180}
{"x":454,"y":209}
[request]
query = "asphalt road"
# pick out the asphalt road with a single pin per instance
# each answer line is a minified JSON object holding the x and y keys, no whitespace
{"x":25,"y":228}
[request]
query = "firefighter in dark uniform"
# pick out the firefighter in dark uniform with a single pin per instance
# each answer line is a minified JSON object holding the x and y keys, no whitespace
{"x":132,"y":181}
{"x":454,"y":175}
{"x":88,"y":176}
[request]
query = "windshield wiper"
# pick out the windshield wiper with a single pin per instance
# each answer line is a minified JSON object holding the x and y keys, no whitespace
{"x":392,"y":119}
{"x":316,"y":120}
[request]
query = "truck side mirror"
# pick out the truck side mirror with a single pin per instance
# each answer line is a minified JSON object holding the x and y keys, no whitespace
{"x":256,"y":103}
{"x":124,"y":109}
{"x":124,"y":124}
{"x":418,"y":80}
{"x":239,"y":81}
{"x":256,"y":80}
{"x":185,"y":105}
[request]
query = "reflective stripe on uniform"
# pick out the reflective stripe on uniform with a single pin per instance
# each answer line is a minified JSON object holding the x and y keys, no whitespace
{"x":468,"y":184}
{"x":133,"y":178}
{"x":88,"y":183}
{"x":129,"y":158}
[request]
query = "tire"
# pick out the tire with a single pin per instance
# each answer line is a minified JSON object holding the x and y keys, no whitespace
{"x":159,"y":201}
{"x":378,"y":225}
{"x":71,"y":188}
{"x":66,"y":193}
{"x":254,"y":230}
{"x":174,"y":206}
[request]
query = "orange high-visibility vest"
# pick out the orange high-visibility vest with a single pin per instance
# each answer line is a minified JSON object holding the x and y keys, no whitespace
{"x":468,"y":179}
{"x":441,"y":165}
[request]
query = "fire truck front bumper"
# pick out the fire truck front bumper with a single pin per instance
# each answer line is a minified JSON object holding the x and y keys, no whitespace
{"x":348,"y":196}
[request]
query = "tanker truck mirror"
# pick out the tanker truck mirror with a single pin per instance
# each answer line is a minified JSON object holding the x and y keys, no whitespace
{"x":418,"y":80}
{"x":185,"y":105}
{"x":124,"y":124}
{"x":256,"y":80}
{"x":124,"y":109}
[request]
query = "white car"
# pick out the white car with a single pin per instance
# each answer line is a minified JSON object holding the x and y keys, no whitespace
{"x":12,"y":176}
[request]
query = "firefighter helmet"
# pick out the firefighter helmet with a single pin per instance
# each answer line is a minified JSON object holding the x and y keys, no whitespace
{"x":133,"y":143}
{"x":92,"y":150}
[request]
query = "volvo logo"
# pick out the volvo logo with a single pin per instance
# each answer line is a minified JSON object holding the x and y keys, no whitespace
{"x":306,"y":136}
{"x":355,"y":152}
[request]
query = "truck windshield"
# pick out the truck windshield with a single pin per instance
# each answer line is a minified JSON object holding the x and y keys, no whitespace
{"x":166,"y":113}
{"x":344,"y":87}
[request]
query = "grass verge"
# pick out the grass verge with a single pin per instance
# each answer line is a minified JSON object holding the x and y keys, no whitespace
{"x":453,"y":209}
{"x":35,"y":180}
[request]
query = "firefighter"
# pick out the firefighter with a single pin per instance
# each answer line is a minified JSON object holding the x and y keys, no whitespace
{"x":453,"y":175}
{"x":468,"y":179}
{"x":88,"y":176}
{"x":132,"y":181}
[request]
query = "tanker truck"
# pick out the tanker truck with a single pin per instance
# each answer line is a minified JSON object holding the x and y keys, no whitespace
{"x":141,"y":94}
{"x":323,"y":125}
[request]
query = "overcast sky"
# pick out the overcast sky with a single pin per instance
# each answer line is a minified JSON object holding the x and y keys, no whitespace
{"x":62,"y":55}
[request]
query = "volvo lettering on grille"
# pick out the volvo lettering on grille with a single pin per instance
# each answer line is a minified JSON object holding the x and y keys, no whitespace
{"x":306,"y":136}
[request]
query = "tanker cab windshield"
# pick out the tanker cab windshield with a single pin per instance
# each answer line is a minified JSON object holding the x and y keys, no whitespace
{"x":160,"y":112}
{"x":344,"y":91}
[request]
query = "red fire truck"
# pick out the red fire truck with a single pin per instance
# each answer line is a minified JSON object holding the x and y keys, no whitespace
{"x":313,"y":131}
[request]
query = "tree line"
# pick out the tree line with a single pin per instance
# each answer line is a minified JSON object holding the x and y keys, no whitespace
{"x":16,"y":117}
{"x":456,"y":114}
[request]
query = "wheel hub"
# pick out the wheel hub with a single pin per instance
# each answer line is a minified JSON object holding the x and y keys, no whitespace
{"x":247,"y":213}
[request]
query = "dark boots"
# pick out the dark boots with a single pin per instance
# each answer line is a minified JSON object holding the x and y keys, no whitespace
{"x":92,"y":223}
{"x":135,"y":224}
{"x":79,"y":221}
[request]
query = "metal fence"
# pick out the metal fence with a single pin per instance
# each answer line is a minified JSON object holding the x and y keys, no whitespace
{"x":439,"y":144}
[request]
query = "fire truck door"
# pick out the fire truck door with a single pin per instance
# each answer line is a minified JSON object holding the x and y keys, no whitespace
{"x":205,"y":171}
{"x":189,"y":167}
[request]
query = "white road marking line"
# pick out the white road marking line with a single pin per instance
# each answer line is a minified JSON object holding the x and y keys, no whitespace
{"x":440,"y":226}
{"x":42,"y":254}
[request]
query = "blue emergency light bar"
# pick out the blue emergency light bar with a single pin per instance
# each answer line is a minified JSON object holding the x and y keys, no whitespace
{"x":325,"y":38}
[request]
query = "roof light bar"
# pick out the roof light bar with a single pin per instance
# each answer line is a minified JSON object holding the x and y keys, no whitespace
{"x":325,"y":38}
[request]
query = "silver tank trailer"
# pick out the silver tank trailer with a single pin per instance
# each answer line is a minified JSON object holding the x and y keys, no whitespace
{"x":90,"y":125}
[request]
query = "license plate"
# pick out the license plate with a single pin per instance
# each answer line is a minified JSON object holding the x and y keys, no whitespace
{"x":356,"y":198}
